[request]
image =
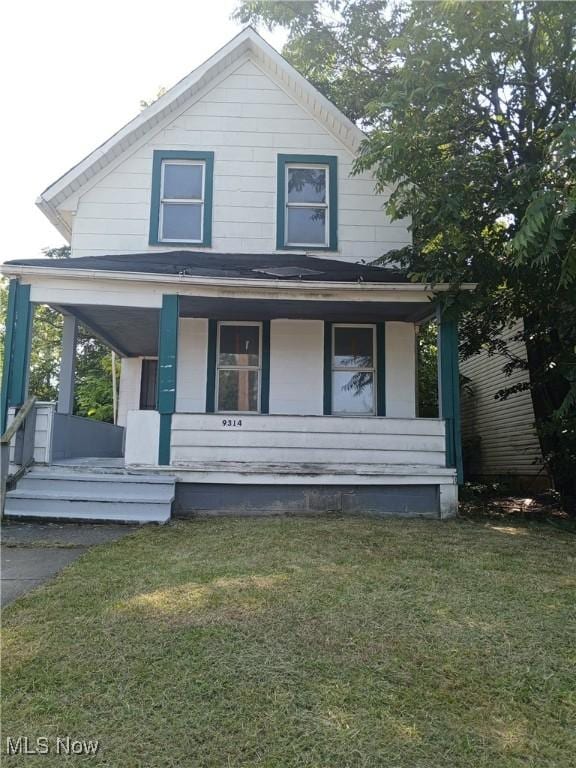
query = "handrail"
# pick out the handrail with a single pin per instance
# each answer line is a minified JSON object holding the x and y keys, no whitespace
{"x":24,"y":451}
{"x":18,"y":421}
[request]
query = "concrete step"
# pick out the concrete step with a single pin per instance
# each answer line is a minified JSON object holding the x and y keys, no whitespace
{"x":53,"y":493}
{"x":94,"y":511}
{"x":97,"y":476}
{"x":91,"y":494}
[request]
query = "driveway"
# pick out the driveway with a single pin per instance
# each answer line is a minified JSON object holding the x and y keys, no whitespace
{"x":32,"y":553}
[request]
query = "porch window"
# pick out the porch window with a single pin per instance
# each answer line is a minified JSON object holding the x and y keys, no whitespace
{"x":307,"y":202}
{"x":239,"y":362}
{"x":353,"y":370}
{"x":148,"y":384}
{"x":181,"y":206}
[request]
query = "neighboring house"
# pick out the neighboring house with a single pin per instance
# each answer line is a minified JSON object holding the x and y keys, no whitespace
{"x":499,"y":436}
{"x":221,"y":246}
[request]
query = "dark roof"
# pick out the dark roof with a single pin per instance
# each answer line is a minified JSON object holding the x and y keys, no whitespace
{"x":284,"y":266}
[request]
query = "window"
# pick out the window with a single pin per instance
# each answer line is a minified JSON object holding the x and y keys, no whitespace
{"x":148,"y":383}
{"x":353,"y":369}
{"x":181,"y":205}
{"x":307,"y":202}
{"x":238,"y":362}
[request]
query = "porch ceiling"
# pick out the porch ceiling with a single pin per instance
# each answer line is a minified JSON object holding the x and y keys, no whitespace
{"x":334,"y":311}
{"x":130,"y":331}
{"x":133,"y":331}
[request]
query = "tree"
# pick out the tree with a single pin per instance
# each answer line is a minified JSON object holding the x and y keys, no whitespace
{"x":93,"y":378}
{"x":466,"y":107}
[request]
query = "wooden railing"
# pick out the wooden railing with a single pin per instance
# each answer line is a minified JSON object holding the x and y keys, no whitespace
{"x":23,"y":428}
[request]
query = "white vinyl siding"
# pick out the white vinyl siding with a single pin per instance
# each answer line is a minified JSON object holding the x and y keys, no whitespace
{"x":499,"y":435}
{"x":247,"y":120}
{"x":322,"y":439}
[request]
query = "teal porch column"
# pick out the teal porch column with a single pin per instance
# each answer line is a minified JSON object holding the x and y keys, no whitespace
{"x":449,"y":391}
{"x":167,"y":369}
{"x":16,"y":349}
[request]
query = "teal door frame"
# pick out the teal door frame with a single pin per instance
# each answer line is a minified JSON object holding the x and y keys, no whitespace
{"x":449,"y":391}
{"x":17,"y":343}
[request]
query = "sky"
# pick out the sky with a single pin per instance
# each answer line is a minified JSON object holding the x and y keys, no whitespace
{"x":73,"y":73}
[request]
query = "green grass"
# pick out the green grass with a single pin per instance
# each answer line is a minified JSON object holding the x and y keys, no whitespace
{"x":304,"y":642}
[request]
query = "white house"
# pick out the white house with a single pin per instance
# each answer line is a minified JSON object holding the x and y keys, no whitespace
{"x":222,"y":246}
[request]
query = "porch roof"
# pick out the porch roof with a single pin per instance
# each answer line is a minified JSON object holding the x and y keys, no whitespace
{"x":287,"y":267}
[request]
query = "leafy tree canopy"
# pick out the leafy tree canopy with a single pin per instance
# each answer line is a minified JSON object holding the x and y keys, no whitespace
{"x":469,"y":113}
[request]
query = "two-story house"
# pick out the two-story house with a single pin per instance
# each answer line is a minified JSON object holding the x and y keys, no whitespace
{"x":221,"y":246}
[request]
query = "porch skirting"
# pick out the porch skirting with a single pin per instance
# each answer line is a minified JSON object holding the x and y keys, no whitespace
{"x":201,"y":500}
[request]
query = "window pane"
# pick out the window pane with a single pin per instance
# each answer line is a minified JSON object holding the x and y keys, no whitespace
{"x":354,"y":347}
{"x":237,"y":390}
{"x":182,"y":221}
{"x":306,"y":185}
{"x":239,"y":345}
{"x":352,"y":392}
{"x":307,"y":226}
{"x":182,"y":180}
{"x":148,"y":378}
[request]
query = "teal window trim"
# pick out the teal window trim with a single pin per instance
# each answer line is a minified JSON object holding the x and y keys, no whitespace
{"x":211,"y":366}
{"x":381,"y":369}
{"x":264,"y":366}
{"x":450,"y":393}
{"x":327,"y":368}
{"x":265,"y":371}
{"x":159,"y":156}
{"x":331,"y":161}
{"x":167,"y":372}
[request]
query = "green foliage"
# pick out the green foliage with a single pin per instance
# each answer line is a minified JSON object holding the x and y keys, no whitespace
{"x":469,"y":110}
{"x":427,"y":350}
{"x":548,"y":227}
{"x":93,"y":395}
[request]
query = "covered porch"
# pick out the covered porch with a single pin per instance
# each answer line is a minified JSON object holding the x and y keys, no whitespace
{"x":324,"y":410}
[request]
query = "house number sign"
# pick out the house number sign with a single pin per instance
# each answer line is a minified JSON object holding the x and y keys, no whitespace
{"x":231,"y":422}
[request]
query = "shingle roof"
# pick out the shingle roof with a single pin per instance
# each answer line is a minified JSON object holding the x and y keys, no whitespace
{"x":284,"y":267}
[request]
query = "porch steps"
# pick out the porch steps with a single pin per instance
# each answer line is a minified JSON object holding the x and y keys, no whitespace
{"x":52,"y":493}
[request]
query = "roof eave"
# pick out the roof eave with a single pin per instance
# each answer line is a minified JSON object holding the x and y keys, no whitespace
{"x":53,"y":215}
{"x":17,"y":270}
{"x":247,"y":40}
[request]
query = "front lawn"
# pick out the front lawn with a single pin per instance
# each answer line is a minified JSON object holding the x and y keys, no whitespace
{"x":303,"y":642}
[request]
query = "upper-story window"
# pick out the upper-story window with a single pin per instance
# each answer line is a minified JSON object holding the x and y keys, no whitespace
{"x":181,"y":204}
{"x":307,"y":211}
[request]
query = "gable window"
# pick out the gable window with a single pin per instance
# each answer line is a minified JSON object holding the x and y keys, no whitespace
{"x":238,"y":363}
{"x":307,"y":202}
{"x":353,"y":369}
{"x":181,"y":204}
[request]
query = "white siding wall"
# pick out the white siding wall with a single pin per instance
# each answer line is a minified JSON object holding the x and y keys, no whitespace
{"x":296,"y":366}
{"x":499,"y":435}
{"x":317,"y":439}
{"x":296,"y":369}
{"x":247,"y":119}
{"x":42,"y":433}
{"x":400,"y":370}
{"x":191,"y":375}
{"x":129,"y":389}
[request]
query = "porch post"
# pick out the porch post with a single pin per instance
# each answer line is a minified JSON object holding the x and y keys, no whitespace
{"x":449,"y":391}
{"x":16,"y":349}
{"x":167,"y":367}
{"x":67,"y":365}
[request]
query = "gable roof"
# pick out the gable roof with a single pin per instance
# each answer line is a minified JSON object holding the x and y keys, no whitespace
{"x":248,"y":42}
